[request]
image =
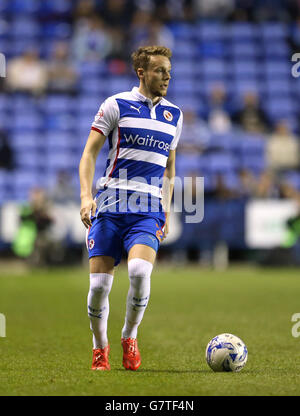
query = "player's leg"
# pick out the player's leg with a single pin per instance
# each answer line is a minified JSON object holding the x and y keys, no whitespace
{"x":101,"y":278}
{"x":140,"y":264}
{"x":105,"y":248}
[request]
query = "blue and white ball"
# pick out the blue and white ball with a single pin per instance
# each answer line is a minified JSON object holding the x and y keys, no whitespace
{"x":226,"y":352}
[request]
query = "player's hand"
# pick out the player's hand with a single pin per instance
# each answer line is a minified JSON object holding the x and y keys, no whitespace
{"x":88,"y":207}
{"x":166,"y":226}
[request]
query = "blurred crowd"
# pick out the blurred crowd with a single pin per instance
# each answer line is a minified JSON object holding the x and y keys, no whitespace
{"x":108,"y":31}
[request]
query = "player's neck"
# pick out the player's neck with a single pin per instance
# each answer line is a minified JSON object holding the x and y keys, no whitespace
{"x":144,"y":91}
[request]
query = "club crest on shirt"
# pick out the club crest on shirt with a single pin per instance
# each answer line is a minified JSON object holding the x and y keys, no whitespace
{"x":167,"y":115}
{"x":91,"y":243}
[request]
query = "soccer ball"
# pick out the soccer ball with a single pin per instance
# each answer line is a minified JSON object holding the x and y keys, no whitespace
{"x":226,"y":352}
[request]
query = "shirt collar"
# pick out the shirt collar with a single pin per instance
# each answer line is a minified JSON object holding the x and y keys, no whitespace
{"x":141,"y":97}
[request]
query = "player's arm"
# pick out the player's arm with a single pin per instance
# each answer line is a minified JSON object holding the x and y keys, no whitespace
{"x":168,"y":187}
{"x":86,"y":175}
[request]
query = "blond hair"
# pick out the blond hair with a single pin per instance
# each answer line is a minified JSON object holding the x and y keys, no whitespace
{"x":141,"y":57}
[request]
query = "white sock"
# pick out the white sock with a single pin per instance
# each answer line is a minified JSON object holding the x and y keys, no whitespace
{"x":98,"y":307}
{"x":139,"y":272}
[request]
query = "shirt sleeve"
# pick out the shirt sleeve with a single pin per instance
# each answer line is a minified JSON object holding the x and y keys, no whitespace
{"x":107,"y":117}
{"x":175,"y":141}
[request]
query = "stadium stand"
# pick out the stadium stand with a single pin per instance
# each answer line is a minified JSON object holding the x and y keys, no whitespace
{"x":48,"y":131}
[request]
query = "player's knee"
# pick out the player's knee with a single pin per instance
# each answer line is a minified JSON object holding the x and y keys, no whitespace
{"x":100,"y":283}
{"x":139,"y":269}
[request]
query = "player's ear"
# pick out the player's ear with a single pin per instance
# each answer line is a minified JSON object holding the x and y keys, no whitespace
{"x":140,"y":73}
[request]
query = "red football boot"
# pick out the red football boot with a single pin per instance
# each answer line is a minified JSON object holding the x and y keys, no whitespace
{"x":100,"y":359}
{"x":131,"y":354}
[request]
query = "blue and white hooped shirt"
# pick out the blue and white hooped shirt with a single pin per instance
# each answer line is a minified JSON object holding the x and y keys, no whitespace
{"x":140,"y":137}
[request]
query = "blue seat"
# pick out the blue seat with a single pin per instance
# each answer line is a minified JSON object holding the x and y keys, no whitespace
{"x":210,"y":31}
{"x":278,"y":87}
{"x":4,"y":29}
{"x":188,"y":164}
{"x":5,"y":102}
{"x":25,"y":178}
{"x":20,"y":45}
{"x":21,"y":7}
{"x":182,"y":31}
{"x":29,"y":159}
{"x":60,"y":141}
{"x":184,"y":50}
{"x":58,"y":104}
{"x":116,"y":84}
{"x":182,"y":69}
{"x":24,"y":27}
{"x":61,"y":160}
{"x":242,"y":86}
{"x":280,"y":50}
{"x":251,"y":144}
{"x":245,"y":50}
{"x":242,"y":31}
{"x":183,"y":86}
{"x":223,"y":141}
{"x":94,"y":87}
{"x":60,"y":122}
{"x":214,"y":69}
{"x":273,"y":31}
{"x":245,"y":70}
{"x":277,"y":70}
{"x":220,"y":162}
{"x":281,"y":107}
{"x":27,"y":121}
{"x":57,"y":30}
{"x":23,"y":140}
{"x":255,"y":163}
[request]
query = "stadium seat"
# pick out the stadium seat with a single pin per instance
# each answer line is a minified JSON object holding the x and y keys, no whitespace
{"x":245,"y":69}
{"x":220,"y":162}
{"x":208,"y":31}
{"x":60,"y":141}
{"x":281,"y":107}
{"x":278,"y":87}
{"x":23,"y":140}
{"x":57,"y":30}
{"x":57,"y":104}
{"x":186,"y":164}
{"x":273,"y":31}
{"x":182,"y":31}
{"x":280,"y":50}
{"x":223,"y":141}
{"x":25,"y":28}
{"x":20,"y":7}
{"x":244,"y":50}
{"x":184,"y":50}
{"x":214,"y":69}
{"x":55,"y":161}
{"x":116,"y":84}
{"x":27,"y":121}
{"x":30,"y":159}
{"x":277,"y":70}
{"x":255,"y":163}
{"x":242,"y":32}
{"x":182,"y":69}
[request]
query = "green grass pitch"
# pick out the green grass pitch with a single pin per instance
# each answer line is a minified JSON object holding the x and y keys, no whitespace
{"x":47,"y":349}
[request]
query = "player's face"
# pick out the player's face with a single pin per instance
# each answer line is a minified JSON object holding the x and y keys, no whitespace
{"x":157,"y":76}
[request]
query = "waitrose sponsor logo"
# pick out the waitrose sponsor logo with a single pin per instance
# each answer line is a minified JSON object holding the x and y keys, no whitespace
{"x":147,"y":141}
